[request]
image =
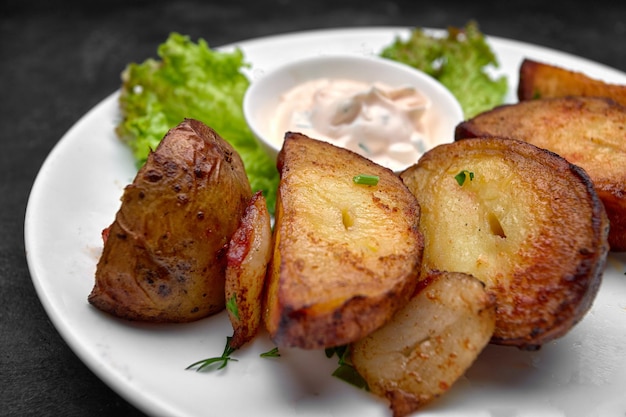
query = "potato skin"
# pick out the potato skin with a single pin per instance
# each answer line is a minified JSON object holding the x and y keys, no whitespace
{"x":346,"y":256}
{"x":529,"y":225}
{"x":164,"y":259}
{"x":587,"y":131}
{"x":428,"y":344}
{"x":248,"y":254}
{"x":538,"y":80}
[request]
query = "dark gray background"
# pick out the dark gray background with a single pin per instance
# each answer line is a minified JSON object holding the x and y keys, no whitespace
{"x":58,"y":59}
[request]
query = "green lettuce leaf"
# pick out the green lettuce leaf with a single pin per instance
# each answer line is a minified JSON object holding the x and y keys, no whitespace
{"x":192,"y":81}
{"x":460,"y":61}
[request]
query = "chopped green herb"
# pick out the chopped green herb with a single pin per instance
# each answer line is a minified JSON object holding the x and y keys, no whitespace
{"x":272,"y":353}
{"x":231,"y":306}
{"x":462,"y":176}
{"x":346,"y":371}
{"x":364,"y":179}
{"x":220,"y":361}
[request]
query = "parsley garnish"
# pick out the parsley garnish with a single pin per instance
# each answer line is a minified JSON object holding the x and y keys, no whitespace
{"x":346,"y":371}
{"x":221,"y":360}
{"x":462,"y":176}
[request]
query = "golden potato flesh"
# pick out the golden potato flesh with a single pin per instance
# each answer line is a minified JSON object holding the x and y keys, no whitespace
{"x":522,"y":220}
{"x":248,"y":255}
{"x":587,"y":131}
{"x":429,"y":343}
{"x":346,"y":256}
{"x":164,"y":259}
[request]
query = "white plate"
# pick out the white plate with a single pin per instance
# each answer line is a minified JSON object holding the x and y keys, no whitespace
{"x":76,"y":195}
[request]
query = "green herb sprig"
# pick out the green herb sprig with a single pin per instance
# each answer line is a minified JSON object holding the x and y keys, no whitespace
{"x":220,"y":361}
{"x":346,"y":371}
{"x":272,"y":353}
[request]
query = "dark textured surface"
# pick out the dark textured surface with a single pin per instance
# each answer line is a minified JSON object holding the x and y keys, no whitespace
{"x":58,"y":59}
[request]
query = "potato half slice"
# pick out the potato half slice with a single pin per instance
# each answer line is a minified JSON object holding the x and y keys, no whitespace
{"x":429,"y":343}
{"x":521,"y":219}
{"x":587,"y":131}
{"x":164,"y":259}
{"x":346,"y":256}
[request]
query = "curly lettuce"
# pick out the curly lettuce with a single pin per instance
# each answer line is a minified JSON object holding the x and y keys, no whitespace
{"x":190,"y":80}
{"x":460,"y":61}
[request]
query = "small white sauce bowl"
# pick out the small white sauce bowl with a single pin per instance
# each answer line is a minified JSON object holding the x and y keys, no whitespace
{"x":264,"y":95}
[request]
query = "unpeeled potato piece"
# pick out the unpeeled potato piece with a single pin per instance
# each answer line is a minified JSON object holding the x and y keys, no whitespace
{"x":164,"y":258}
{"x":422,"y":351}
{"x":248,"y":254}
{"x":521,"y":219}
{"x":346,"y":256}
{"x":538,"y":80}
{"x":587,"y":131}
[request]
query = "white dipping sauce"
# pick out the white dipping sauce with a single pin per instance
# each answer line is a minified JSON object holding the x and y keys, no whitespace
{"x":382,"y":123}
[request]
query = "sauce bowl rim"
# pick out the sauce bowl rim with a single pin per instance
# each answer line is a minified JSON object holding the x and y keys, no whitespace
{"x":263,"y":94}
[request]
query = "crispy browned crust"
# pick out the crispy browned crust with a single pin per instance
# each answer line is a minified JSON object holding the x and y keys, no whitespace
{"x":542,"y":80}
{"x":164,"y":257}
{"x":544,"y":260}
{"x":587,"y":131}
{"x":325,"y":285}
{"x":403,"y":403}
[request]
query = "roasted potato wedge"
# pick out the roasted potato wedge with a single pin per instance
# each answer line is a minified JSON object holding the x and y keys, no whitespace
{"x":543,"y":80}
{"x":587,"y":131}
{"x":164,"y":259}
{"x":346,"y":256}
{"x":521,"y":219}
{"x":418,"y":355}
{"x":248,"y":254}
